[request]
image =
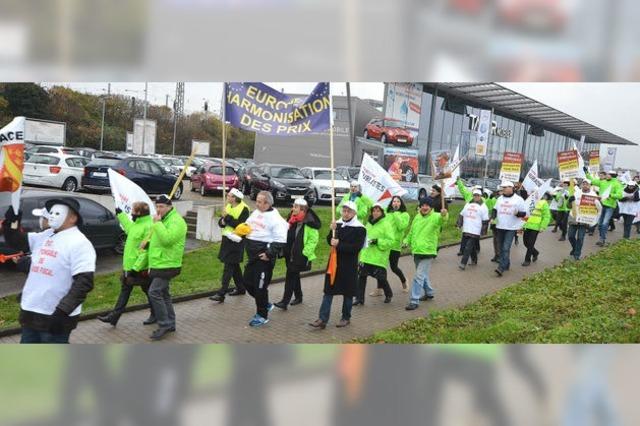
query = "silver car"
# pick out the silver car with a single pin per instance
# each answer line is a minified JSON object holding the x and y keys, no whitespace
{"x":54,"y":170}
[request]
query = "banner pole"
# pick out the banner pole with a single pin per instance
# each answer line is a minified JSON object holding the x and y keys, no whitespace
{"x":224,"y":143}
{"x":333,"y":182}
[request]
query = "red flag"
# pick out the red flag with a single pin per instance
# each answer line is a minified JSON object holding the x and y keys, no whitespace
{"x":332,"y":266}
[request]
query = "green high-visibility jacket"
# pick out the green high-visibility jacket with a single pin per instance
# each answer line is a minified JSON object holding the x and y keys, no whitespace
{"x":378,"y":254}
{"x":135,"y":259}
{"x":399,"y":224}
{"x":363,"y":203}
{"x":539,"y":218}
{"x":425,"y":232}
{"x":603,"y":185}
{"x":166,"y":247}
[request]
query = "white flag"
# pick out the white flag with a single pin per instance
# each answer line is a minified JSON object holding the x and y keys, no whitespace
{"x":581,"y":174}
{"x":626,"y":177}
{"x":11,"y":162}
{"x":450,"y":184}
{"x":606,"y":193}
{"x":125,"y":193}
{"x":532,"y":181}
{"x":377,"y":183}
{"x":536,"y":195}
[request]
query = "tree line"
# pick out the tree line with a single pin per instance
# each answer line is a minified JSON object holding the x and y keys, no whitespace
{"x":82,"y":112}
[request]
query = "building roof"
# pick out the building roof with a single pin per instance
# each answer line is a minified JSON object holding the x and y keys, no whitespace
{"x":509,"y":103}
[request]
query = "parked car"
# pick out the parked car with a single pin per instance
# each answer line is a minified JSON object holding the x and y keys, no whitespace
{"x":425,"y":182}
{"x":246,"y":174}
{"x":286,"y":183}
{"x":208,"y":179}
{"x":99,"y":224}
{"x":54,"y":170}
{"x":49,"y":149}
{"x":349,"y":173}
{"x":145,"y":172}
{"x":169,"y":165}
{"x":388,"y":131}
{"x":321,"y":182}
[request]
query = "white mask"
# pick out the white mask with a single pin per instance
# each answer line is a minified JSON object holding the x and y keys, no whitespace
{"x":57,"y":216}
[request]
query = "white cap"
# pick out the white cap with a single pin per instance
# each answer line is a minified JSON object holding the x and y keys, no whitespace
{"x":632,"y":183}
{"x":237,"y":193}
{"x":506,"y":183}
{"x":610,"y":171}
{"x":586,"y":180}
{"x":300,"y":202}
{"x":354,"y":183}
{"x":478,"y":187}
{"x":477,"y":192}
{"x":351,"y":205}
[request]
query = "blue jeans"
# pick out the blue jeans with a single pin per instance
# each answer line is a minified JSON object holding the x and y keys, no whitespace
{"x":421,"y":284}
{"x":325,"y":307}
{"x":603,"y":223}
{"x":30,"y":335}
{"x":628,"y":223}
{"x":576,"y":243}
{"x":505,"y":240}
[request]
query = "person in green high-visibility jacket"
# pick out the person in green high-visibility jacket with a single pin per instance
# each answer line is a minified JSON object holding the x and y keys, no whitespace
{"x":375,"y":257}
{"x":610,"y":191}
{"x":363,"y":202}
{"x":562,"y":200}
{"x":536,"y":223}
{"x":135,"y":261}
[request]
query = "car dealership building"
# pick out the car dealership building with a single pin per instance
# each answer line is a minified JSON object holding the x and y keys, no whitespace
{"x":444,"y":116}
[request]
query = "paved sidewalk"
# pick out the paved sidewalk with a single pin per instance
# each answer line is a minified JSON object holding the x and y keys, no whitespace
{"x":203,"y":321}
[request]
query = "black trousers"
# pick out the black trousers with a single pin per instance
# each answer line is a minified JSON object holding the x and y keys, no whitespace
{"x":470,"y":246}
{"x":563,"y":221}
{"x":496,"y":243}
{"x":529,"y":237}
{"x":292,"y":286}
{"x":376,"y":272}
{"x":257,"y":277}
{"x":126,"y":289}
{"x":554,"y":215}
{"x":394,"y":257}
{"x":231,"y":270}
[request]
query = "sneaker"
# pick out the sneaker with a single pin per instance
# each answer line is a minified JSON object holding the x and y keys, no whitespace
{"x":253,"y":318}
{"x":498,"y":272}
{"x":217,"y":298}
{"x":377,"y":292}
{"x":411,"y":307}
{"x":236,"y":293}
{"x":270,"y":307}
{"x":526,"y":263}
{"x":387,"y":300}
{"x":318,"y":324}
{"x":258,"y":321}
{"x":462,"y":266}
{"x":600,"y":243}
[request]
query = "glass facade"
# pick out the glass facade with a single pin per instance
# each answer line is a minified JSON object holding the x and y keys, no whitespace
{"x":451,"y":129}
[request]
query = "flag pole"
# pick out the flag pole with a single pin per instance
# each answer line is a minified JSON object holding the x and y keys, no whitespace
{"x":332,"y":165}
{"x":224,"y":143}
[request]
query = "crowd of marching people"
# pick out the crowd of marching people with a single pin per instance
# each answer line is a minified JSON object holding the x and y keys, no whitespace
{"x":366,"y":241}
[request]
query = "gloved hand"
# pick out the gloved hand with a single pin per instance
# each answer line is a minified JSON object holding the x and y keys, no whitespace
{"x":10,"y":216}
{"x":118,"y":211}
{"x":56,"y":326}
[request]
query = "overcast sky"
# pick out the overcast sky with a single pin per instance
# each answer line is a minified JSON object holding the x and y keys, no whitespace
{"x":611,"y":106}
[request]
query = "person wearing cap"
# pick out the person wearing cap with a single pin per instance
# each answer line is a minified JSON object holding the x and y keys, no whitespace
{"x":467,"y":195}
{"x":350,"y":237}
{"x":536,"y":223}
{"x":61,"y":274}
{"x":629,"y":206}
{"x":423,"y":241}
{"x":363,"y":202}
{"x":374,"y":258}
{"x":264,"y":243}
{"x":578,"y":230}
{"x":231,"y":249}
{"x":508,"y":213}
{"x":166,"y":250}
{"x":135,"y":261}
{"x":474,"y":221}
{"x":300,"y":250}
{"x":562,"y":215}
{"x":553,"y":208}
{"x":610,"y":190}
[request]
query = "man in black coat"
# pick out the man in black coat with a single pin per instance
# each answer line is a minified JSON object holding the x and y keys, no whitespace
{"x":350,"y":237}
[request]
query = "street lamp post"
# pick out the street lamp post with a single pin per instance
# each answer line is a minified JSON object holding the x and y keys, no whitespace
{"x":104,"y":107}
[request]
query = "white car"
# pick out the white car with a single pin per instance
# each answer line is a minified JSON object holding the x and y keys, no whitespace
{"x":321,"y":181}
{"x":54,"y":170}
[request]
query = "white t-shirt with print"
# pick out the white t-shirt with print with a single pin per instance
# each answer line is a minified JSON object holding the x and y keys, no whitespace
{"x":473,"y":214}
{"x":507,"y":207}
{"x":55,"y":259}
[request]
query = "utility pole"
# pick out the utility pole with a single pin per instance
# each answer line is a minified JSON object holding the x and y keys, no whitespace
{"x":144,"y":116}
{"x":166,"y":100}
{"x":178,"y":110}
{"x":352,"y":139}
{"x":104,"y":107}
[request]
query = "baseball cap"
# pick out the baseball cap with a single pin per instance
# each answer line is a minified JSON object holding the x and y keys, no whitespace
{"x":236,"y":193}
{"x":506,"y":183}
{"x":477,"y":192}
{"x":164,"y":199}
{"x":300,"y":202}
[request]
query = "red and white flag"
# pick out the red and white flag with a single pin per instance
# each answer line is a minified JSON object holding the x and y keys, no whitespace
{"x":12,"y":162}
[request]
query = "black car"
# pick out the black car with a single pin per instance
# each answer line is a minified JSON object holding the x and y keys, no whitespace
{"x":145,"y":172}
{"x":246,"y":175}
{"x":99,"y":224}
{"x":286,"y":183}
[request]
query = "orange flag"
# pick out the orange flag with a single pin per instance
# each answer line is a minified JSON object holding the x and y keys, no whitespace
{"x":12,"y":160}
{"x":332,"y":267}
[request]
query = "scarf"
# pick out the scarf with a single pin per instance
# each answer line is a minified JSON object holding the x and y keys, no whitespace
{"x":295,"y":219}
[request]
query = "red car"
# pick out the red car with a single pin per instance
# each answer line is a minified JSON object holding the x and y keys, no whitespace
{"x":208,"y":178}
{"x":388,"y":131}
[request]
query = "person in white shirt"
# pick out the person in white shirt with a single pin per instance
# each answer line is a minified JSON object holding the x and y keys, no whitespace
{"x":474,"y":221}
{"x":263,"y":245}
{"x":578,"y":230}
{"x":509,"y":212}
{"x":61,"y":274}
